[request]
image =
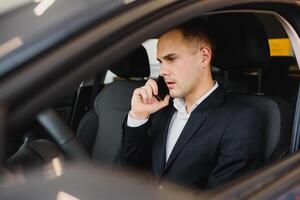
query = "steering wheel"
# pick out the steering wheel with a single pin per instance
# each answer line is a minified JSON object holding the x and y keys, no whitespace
{"x":62,"y":135}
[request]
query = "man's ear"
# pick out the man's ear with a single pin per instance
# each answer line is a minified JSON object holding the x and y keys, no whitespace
{"x":206,"y":56}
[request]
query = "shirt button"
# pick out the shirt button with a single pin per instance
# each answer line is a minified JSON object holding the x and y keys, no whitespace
{"x":161,"y":187}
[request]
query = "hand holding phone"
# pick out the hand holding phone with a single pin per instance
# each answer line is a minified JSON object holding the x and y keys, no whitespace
{"x":149,"y":99}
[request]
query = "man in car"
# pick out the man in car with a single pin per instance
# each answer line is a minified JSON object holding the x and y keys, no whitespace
{"x":202,"y":139}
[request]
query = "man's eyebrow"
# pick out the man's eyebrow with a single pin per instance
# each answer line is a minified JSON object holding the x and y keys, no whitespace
{"x":167,"y":56}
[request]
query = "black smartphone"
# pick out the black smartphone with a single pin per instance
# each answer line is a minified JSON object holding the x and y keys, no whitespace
{"x":163,"y":89}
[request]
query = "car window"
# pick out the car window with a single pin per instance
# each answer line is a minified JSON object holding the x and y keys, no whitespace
{"x":279,"y":42}
{"x":283,"y":65}
{"x":150,"y":46}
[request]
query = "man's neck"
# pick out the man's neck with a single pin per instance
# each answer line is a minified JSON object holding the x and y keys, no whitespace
{"x":192,"y":98}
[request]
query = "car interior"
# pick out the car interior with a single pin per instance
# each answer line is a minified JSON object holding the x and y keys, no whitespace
{"x":243,"y":64}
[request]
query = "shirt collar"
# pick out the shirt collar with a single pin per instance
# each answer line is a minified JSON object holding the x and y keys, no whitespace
{"x":179,"y":104}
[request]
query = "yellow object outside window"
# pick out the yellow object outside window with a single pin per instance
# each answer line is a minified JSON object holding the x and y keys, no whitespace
{"x":280,"y":47}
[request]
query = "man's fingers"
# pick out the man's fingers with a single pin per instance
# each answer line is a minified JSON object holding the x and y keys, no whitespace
{"x":142,"y":93}
{"x":149,"y":91}
{"x":144,"y":100}
{"x":164,"y":103}
{"x":153,"y":86}
{"x":145,"y":95}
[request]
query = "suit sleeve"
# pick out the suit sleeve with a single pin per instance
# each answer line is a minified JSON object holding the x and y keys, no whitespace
{"x":136,"y":146}
{"x":241,"y":150}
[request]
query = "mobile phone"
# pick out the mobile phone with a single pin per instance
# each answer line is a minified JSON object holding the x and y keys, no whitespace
{"x":163,"y":89}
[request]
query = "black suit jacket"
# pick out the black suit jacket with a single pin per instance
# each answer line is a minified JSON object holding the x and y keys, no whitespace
{"x":221,"y":141}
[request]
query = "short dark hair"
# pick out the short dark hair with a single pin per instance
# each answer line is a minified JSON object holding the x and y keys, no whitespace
{"x":197,"y":29}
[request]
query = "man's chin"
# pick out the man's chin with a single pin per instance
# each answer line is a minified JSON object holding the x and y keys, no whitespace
{"x":175,"y":94}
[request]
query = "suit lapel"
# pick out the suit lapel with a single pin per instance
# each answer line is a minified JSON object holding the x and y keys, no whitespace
{"x":165,"y":120}
{"x":197,"y":118}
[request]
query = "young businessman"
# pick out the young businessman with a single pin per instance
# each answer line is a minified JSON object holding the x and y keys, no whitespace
{"x":204,"y":138}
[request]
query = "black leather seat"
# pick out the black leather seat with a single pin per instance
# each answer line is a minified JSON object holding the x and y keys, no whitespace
{"x":242,"y":45}
{"x":277,"y":80}
{"x":100,"y":130}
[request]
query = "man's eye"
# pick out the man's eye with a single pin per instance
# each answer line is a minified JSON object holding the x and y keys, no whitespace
{"x":171,"y":59}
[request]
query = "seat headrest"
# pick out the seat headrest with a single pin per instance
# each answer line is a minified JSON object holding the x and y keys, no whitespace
{"x":241,"y":41}
{"x":136,"y":65}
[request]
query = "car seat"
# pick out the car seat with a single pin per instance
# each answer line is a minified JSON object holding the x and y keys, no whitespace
{"x":100,"y":130}
{"x":241,"y":44}
{"x":277,"y":80}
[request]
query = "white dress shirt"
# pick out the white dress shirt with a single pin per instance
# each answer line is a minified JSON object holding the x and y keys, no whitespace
{"x":178,"y":121}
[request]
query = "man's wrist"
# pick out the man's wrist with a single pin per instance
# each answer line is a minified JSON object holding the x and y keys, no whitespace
{"x":131,"y":122}
{"x":138,"y":116}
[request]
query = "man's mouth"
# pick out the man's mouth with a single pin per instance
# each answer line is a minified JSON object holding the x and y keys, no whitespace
{"x":170,"y":84}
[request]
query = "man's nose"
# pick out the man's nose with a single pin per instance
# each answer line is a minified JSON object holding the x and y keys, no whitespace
{"x":164,"y":70}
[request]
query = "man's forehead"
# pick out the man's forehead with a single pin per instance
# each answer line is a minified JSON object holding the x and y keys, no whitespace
{"x":171,"y":42}
{"x":174,"y":33}
{"x":167,"y":50}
